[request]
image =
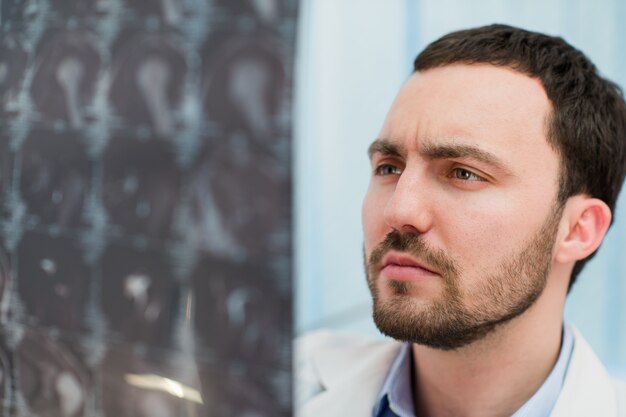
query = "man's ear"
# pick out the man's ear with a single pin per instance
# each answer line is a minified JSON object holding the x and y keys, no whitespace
{"x":587,"y":221}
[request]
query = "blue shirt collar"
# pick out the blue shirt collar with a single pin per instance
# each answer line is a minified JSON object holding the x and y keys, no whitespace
{"x":397,"y":391}
{"x":396,"y":395}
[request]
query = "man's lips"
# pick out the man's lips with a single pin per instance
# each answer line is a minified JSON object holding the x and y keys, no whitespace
{"x":401,"y":267}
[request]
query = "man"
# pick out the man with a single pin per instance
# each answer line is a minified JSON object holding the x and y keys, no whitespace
{"x":493,"y":181}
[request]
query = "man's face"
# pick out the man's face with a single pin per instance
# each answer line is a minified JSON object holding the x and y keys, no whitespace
{"x":460,"y":217}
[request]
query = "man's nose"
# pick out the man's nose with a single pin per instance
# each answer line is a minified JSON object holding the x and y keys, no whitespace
{"x":409,"y":209}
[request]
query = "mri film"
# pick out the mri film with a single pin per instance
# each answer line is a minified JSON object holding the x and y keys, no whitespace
{"x":145,"y":220}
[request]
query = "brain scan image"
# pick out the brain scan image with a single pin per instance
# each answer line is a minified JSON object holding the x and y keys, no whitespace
{"x":54,"y":179}
{"x":238,"y":319}
{"x":52,"y":381}
{"x":13,"y":61}
{"x":148,"y":75}
{"x":141,"y":185}
{"x":17,"y":14}
{"x":53,"y":282}
{"x":152,"y":385}
{"x":243,"y":92}
{"x":140,"y":298}
{"x":236,"y":202}
{"x":66,"y":70}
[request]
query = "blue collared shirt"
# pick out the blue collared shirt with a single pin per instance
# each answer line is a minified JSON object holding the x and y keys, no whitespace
{"x":396,"y":396}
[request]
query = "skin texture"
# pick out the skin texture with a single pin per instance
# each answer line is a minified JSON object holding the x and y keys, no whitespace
{"x":462,"y":164}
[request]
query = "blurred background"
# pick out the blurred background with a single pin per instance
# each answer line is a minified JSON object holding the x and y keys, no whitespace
{"x":353,"y":56}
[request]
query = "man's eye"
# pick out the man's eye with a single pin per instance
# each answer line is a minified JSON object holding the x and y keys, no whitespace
{"x":388,"y":170}
{"x":465,"y":175}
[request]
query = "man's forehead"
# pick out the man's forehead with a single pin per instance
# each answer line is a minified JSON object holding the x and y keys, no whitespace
{"x":497,"y":110}
{"x":465,"y":95}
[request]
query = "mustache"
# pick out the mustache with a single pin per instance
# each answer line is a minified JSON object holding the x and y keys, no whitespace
{"x":414,"y":245}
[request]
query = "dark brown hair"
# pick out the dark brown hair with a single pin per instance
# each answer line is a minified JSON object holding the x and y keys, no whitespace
{"x":587,"y":126}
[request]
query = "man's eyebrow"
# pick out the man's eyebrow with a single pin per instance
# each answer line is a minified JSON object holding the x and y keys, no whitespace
{"x":384,"y":147}
{"x":446,"y":151}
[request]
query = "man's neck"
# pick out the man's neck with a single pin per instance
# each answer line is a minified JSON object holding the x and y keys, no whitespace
{"x":495,"y":376}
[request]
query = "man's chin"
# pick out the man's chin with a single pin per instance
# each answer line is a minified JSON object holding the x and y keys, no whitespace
{"x":415,"y":297}
{"x":407,"y":319}
{"x":436,"y":324}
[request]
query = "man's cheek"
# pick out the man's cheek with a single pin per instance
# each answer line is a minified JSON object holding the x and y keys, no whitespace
{"x":371,"y":238}
{"x":372,"y":216}
{"x":366,"y":220}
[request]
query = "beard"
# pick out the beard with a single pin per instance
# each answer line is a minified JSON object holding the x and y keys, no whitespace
{"x":447,"y":322}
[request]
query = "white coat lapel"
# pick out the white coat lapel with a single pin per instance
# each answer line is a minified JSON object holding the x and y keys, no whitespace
{"x":588,"y":390}
{"x":352,"y":377}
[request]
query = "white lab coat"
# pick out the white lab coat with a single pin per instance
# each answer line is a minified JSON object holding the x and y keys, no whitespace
{"x":339,"y":375}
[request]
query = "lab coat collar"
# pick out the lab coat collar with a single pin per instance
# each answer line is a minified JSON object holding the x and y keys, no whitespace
{"x":352,"y":376}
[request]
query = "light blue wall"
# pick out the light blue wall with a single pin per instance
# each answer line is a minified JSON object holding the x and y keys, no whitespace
{"x":353,"y":56}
